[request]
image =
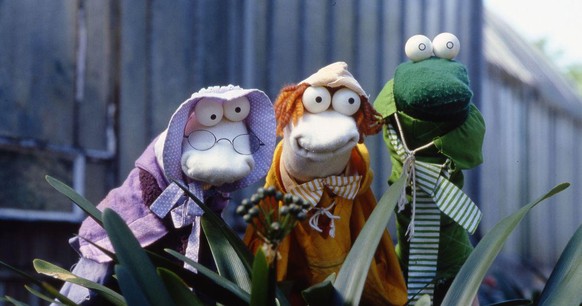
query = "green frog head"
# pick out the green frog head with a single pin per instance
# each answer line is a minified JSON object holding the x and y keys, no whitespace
{"x":432,"y":86}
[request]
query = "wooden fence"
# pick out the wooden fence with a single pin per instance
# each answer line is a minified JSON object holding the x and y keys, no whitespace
{"x":91,"y":82}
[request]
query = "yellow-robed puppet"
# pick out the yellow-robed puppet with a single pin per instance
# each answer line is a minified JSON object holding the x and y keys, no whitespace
{"x":322,"y":159}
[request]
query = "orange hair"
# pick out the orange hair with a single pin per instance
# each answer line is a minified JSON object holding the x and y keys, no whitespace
{"x":289,"y":106}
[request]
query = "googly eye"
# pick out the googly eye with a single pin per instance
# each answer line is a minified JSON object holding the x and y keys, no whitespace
{"x":237,"y":109}
{"x":346,"y":101}
{"x":316,"y":99}
{"x":418,"y":48}
{"x":446,"y":45}
{"x":208,"y":112}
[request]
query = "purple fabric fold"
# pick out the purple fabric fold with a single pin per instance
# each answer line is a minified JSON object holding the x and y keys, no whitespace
{"x":127,"y":201}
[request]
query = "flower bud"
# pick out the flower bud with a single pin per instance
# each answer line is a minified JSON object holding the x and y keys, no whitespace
{"x":284,"y":210}
{"x":301,"y":216}
{"x":241,"y":210}
{"x":254,"y":211}
{"x":248,"y":218}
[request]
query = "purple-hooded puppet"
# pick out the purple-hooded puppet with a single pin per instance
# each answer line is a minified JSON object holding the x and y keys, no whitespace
{"x":219,"y":140}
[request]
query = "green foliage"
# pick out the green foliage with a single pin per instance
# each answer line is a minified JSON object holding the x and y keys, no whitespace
{"x":467,"y":282}
{"x":70,"y":193}
{"x":563,"y":286}
{"x":151,"y":279}
{"x":351,"y":277}
{"x":49,"y":269}
{"x":260,"y":295}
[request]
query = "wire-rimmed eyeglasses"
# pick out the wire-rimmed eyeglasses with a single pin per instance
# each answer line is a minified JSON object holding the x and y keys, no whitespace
{"x":245,"y":144}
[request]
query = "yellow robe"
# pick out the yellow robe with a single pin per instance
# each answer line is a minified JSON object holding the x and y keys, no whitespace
{"x":308,"y":257}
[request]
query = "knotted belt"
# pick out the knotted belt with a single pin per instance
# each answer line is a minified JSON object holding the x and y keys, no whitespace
{"x":346,"y":187}
{"x":432,"y":193}
{"x":184,"y":211}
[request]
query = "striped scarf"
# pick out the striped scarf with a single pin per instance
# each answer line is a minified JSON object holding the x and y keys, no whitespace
{"x":432,"y":194}
{"x":346,"y":187}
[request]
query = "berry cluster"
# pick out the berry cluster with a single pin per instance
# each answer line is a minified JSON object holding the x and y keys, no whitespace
{"x":273,"y":214}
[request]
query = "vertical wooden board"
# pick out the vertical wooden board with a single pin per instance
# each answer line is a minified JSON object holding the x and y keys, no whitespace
{"x":551,"y":222}
{"x":37,"y":43}
{"x":100,"y":75}
{"x":284,"y":58}
{"x":315,"y":31}
{"x":13,"y":83}
{"x":511,"y":170}
{"x":214,"y":40}
{"x":173,"y":56}
{"x":465,"y":32}
{"x":487,"y":205}
{"x":235,"y":33}
{"x":135,"y":84}
{"x":577,"y":180}
{"x":386,"y":14}
{"x":565,"y":166}
{"x":257,"y":45}
{"x":432,"y":18}
{"x":365,"y":70}
{"x":542,"y":222}
{"x":97,"y":182}
{"x":366,"y":45}
{"x":450,"y":11}
{"x":343,"y":36}
{"x":392,"y":40}
{"x":413,"y":22}
{"x":389,"y":19}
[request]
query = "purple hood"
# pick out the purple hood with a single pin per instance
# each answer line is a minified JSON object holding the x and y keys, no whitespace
{"x":127,"y":200}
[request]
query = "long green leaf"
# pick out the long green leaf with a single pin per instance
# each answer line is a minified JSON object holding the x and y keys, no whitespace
{"x":179,"y":291}
{"x":514,"y":302}
{"x":244,"y":257}
{"x":70,"y":193}
{"x":44,"y":285}
{"x":235,"y":291}
{"x":197,"y":280}
{"x":238,"y":245}
{"x":467,"y":282}
{"x":563,"y":286}
{"x":352,"y":275}
{"x":130,"y":287}
{"x":320,"y":293}
{"x":14,"y":301}
{"x":42,"y":295}
{"x":52,"y":270}
{"x":132,"y":257}
{"x":100,"y":248}
{"x":261,"y":284}
{"x":228,"y":263}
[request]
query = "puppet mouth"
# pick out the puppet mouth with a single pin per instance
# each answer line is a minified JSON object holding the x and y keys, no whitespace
{"x":305,"y":149}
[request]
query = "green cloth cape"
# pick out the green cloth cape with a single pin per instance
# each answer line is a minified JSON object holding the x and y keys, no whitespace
{"x":459,"y":142}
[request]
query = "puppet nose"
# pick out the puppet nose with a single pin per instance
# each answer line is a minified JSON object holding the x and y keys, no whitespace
{"x":327,"y":131}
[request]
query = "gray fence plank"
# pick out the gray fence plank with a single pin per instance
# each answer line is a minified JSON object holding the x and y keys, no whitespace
{"x":135,"y":98}
{"x":37,"y":43}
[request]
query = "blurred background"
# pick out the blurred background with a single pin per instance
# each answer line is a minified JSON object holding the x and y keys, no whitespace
{"x":85,"y":85}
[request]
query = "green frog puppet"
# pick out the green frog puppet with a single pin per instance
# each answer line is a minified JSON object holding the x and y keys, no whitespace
{"x":433,"y":131}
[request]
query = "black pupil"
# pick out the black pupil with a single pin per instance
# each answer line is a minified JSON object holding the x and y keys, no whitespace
{"x":213,"y":116}
{"x":318,"y":99}
{"x":237,"y":109}
{"x":351,"y":100}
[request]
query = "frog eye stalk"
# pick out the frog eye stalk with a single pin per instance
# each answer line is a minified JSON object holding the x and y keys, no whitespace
{"x":418,"y":48}
{"x":446,"y":45}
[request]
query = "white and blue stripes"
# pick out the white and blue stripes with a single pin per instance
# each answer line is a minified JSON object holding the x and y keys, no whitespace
{"x":432,"y":193}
